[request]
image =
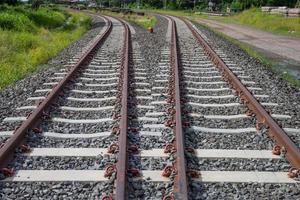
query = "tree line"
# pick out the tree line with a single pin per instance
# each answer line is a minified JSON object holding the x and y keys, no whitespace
{"x":220,"y":5}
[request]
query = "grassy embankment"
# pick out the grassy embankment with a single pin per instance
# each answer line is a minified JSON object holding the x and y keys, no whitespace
{"x":254,"y":18}
{"x":145,"y":21}
{"x":29,"y":38}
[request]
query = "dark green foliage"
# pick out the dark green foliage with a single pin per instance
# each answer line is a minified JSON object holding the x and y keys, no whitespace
{"x":46,"y":18}
{"x":35,"y":4}
{"x":14,"y":20}
{"x":10,"y":2}
{"x":20,"y":19}
{"x":202,"y":4}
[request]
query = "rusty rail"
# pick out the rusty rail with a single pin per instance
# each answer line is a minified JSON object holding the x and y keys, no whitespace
{"x":121,"y":181}
{"x":7,"y":150}
{"x":292,"y":152}
{"x":180,"y":180}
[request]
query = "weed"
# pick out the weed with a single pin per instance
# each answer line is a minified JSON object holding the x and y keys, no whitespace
{"x":145,"y":21}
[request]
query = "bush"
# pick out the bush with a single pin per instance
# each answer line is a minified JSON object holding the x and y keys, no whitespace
{"x":47,"y":18}
{"x":3,"y":7}
{"x":12,"y":21}
{"x":77,"y":19}
{"x":236,"y":5}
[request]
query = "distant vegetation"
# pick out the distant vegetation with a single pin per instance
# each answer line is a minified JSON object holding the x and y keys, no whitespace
{"x":31,"y":37}
{"x":221,"y":5}
{"x":264,"y":21}
{"x":145,"y":21}
{"x":198,"y":4}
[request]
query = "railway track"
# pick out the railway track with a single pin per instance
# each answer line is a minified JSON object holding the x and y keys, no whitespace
{"x":117,"y":129}
{"x":71,"y":116}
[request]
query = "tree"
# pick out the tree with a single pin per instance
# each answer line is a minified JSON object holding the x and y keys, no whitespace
{"x":35,"y":4}
{"x":201,"y":4}
{"x":297,"y":4}
{"x":10,"y":2}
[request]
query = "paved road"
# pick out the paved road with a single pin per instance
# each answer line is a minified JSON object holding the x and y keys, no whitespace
{"x":280,"y":45}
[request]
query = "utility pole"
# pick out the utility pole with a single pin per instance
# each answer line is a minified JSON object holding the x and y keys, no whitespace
{"x":165,"y":4}
{"x":138,"y":4}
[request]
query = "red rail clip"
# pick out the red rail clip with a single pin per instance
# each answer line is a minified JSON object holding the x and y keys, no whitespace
{"x":116,"y":116}
{"x":190,"y":150}
{"x":113,"y":148}
{"x":168,"y":171}
{"x":171,"y":111}
{"x":7,"y":172}
{"x":106,"y":197}
{"x":170,"y":196}
{"x":134,"y":172}
{"x":133,"y":149}
{"x":133,"y":130}
{"x":109,"y":170}
{"x":28,"y":115}
{"x":193,"y":173}
{"x":115,"y":131}
{"x":25,"y":148}
{"x":259,"y":125}
{"x":249,"y":113}
{"x":276,"y":150}
{"x":186,"y":124}
{"x":293,"y":172}
{"x":169,"y":148}
{"x":170,"y":123}
{"x":17,"y":127}
{"x":37,"y":130}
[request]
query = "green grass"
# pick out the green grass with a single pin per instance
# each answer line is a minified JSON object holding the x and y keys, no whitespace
{"x":253,"y":17}
{"x":145,"y":21}
{"x":29,"y":38}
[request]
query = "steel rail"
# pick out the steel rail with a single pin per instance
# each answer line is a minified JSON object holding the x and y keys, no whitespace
{"x":7,"y":150}
{"x":292,"y":152}
{"x":121,"y":181}
{"x":180,"y":181}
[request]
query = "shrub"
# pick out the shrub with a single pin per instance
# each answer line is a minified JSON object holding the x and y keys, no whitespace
{"x":18,"y":22}
{"x":77,"y":19}
{"x":47,"y":18}
{"x":20,"y":9}
{"x":3,"y":7}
